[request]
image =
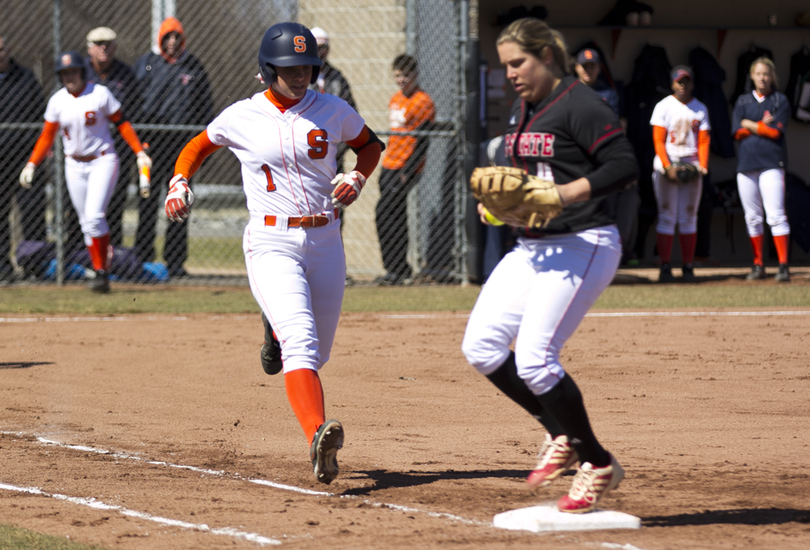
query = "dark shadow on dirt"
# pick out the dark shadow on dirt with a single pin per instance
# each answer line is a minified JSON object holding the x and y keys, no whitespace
{"x":384,"y":479}
{"x":745,"y":516}
{"x":23,"y":365}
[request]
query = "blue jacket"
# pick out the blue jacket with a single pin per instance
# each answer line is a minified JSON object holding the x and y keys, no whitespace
{"x":756,"y":152}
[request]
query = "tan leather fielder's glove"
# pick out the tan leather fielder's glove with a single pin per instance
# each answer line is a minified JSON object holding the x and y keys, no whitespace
{"x":515,"y":197}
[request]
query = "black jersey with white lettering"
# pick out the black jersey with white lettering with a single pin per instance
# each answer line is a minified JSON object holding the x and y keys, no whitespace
{"x":572,"y":134}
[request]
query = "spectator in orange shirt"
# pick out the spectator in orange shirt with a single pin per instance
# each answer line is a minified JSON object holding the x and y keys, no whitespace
{"x":410,"y":110}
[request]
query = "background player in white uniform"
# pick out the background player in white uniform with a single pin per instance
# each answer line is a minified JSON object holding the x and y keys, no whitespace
{"x":759,"y":122}
{"x":83,"y":111}
{"x":286,"y":140}
{"x":540,"y":291}
{"x":680,"y":134}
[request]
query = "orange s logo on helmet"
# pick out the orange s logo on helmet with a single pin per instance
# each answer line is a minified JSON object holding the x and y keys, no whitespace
{"x":588,"y":54}
{"x":300,"y":44}
{"x":66,"y":59}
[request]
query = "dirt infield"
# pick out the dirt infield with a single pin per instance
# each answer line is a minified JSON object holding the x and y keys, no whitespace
{"x":144,"y":432}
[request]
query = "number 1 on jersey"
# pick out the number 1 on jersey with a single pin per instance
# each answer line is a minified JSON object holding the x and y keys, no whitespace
{"x":270,"y":185}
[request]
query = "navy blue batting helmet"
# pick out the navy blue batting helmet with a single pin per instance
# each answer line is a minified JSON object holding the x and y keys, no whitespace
{"x":71,"y":60}
{"x":288,"y":45}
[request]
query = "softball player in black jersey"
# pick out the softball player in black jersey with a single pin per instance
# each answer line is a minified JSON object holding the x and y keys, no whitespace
{"x":560,"y":130}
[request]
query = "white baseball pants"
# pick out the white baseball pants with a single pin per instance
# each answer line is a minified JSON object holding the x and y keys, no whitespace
{"x":763,"y":189}
{"x":677,"y":204}
{"x":90,"y":186}
{"x":537,"y":296}
{"x":297,"y":277}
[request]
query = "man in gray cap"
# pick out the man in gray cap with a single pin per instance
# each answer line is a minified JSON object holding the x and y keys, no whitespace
{"x":105,"y":69}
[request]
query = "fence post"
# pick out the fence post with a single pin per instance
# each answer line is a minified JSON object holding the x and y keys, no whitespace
{"x":58,"y":159}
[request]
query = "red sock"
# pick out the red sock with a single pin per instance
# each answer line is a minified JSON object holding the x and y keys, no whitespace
{"x":756,"y":246}
{"x":688,"y":244}
{"x":305,"y":393}
{"x":99,"y":253}
{"x":665,"y":247}
{"x":782,"y":243}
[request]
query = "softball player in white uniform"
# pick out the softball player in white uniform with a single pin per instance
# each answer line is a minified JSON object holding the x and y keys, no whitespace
{"x":681,"y":132}
{"x":286,"y":140}
{"x":83,"y":111}
{"x":540,"y":291}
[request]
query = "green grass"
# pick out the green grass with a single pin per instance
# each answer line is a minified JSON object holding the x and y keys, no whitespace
{"x":22,"y":539}
{"x":128,"y":299}
{"x":652,"y":296}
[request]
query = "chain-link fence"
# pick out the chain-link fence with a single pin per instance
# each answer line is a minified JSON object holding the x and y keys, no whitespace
{"x":171,"y":100}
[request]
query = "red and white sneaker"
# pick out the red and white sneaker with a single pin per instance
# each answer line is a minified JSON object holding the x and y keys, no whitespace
{"x":556,"y":457}
{"x":590,"y":485}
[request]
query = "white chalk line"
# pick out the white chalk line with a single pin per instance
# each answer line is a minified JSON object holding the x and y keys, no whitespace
{"x":236,"y":476}
{"x":417,"y":316}
{"x":619,"y":546}
{"x":120,"y":318}
{"x":695,"y":313}
{"x":91,"y":502}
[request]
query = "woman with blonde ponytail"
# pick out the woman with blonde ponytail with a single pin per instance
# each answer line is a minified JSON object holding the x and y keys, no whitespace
{"x":563,"y":131}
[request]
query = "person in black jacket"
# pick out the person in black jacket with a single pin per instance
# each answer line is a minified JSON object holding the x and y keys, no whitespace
{"x":175,"y":91}
{"x":22,"y":102}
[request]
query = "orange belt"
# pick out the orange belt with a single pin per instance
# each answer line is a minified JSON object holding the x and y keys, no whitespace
{"x":87,"y":158}
{"x":303,"y":221}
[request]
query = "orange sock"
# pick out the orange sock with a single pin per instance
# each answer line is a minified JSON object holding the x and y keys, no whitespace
{"x":305,"y":393}
{"x":98,"y":252}
{"x":782,"y":243}
{"x":756,"y":246}
{"x":665,"y":247}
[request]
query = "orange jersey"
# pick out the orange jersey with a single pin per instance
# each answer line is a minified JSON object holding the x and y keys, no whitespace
{"x":406,"y":114}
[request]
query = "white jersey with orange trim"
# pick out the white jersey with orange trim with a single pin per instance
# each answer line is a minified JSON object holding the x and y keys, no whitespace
{"x":683,"y":123}
{"x":84,"y":119}
{"x":288,"y":159}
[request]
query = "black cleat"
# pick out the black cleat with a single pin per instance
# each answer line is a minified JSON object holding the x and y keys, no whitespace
{"x":100,"y":283}
{"x":783,"y":275}
{"x":757,"y":273}
{"x":271,"y":350}
{"x":666,"y":275}
{"x":323,"y":451}
{"x":688,"y":274}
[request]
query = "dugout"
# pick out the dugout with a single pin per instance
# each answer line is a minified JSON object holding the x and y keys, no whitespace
{"x":726,"y":29}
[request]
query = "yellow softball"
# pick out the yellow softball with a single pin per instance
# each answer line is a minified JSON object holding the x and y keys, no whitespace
{"x":491,"y":219}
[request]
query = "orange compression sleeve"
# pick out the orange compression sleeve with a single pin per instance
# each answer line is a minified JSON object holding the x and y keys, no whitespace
{"x":766,"y":131}
{"x":128,"y":133}
{"x":44,"y":143}
{"x":193,"y":154}
{"x":704,"y":139}
{"x":659,"y":141}
{"x":368,"y":154}
{"x":742,"y":133}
